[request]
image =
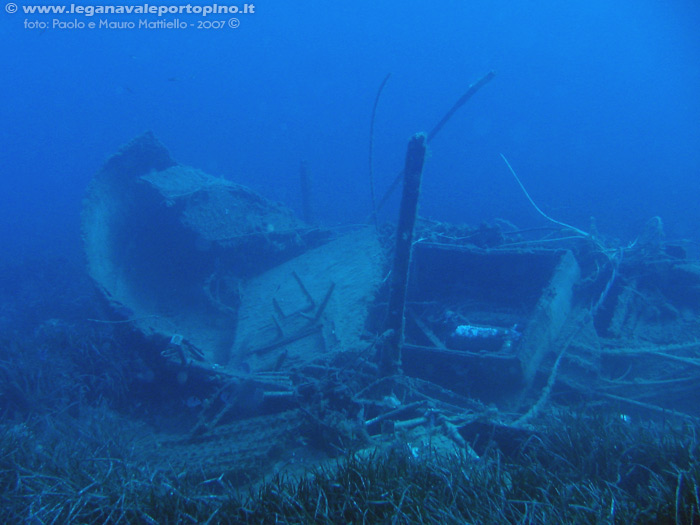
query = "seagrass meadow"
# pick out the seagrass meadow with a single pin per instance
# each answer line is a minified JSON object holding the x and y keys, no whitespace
{"x":582,"y":468}
{"x":87,"y":438}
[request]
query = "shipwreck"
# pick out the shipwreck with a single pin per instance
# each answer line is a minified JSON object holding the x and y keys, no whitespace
{"x":312,"y":340}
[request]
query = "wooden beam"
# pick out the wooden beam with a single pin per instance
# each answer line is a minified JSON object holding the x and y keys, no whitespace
{"x":413,"y":171}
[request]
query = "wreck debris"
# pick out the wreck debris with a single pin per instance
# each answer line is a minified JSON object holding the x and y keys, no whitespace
{"x":499,"y":322}
{"x":390,"y":353}
{"x":308,"y":307}
{"x":168,"y":244}
{"x":550,"y":314}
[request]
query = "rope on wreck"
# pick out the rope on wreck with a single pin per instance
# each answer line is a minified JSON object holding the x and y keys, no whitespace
{"x":476,"y":86}
{"x":614,"y":256}
{"x":371,"y":148}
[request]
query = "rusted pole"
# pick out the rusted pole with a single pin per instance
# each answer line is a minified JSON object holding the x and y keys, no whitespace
{"x":476,"y":86}
{"x":391,"y":349}
{"x":306,"y":212}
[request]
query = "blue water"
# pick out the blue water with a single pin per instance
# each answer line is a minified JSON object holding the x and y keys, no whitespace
{"x":596,"y":104}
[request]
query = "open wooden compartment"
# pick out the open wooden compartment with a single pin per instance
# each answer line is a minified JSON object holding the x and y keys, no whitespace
{"x":481,"y":321}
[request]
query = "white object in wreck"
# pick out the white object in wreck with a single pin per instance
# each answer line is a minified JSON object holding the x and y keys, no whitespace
{"x":471,"y":331}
